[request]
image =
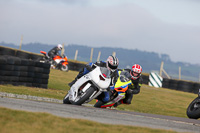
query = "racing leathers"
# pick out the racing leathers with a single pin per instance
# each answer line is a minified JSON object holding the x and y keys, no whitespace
{"x":53,"y":52}
{"x":133,"y":88}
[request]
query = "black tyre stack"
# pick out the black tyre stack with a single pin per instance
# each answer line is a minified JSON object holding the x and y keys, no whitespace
{"x":9,"y":71}
{"x":145,"y":79}
{"x":181,"y":85}
{"x":21,"y":68}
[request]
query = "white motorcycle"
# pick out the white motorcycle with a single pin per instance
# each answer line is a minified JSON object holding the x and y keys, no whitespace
{"x":88,"y":87}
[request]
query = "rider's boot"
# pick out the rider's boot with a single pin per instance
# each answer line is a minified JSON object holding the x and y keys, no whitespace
{"x":99,"y":103}
{"x":81,"y":73}
{"x":71,"y":83}
{"x":118,"y":103}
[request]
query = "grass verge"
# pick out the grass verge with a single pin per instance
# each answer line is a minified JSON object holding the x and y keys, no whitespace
{"x":13,"y":121}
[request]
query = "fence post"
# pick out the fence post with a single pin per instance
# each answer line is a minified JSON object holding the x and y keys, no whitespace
{"x":91,"y":54}
{"x":20,"y":45}
{"x":98,"y":58}
{"x":161,"y":68}
{"x":63,"y":50}
{"x":114,"y":53}
{"x":179,"y":73}
{"x":76,"y":54}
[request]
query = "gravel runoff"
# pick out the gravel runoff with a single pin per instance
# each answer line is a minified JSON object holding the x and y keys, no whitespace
{"x":35,"y":98}
{"x":28,"y":97}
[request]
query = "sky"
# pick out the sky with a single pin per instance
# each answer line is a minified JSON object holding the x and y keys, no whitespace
{"x":169,"y":27}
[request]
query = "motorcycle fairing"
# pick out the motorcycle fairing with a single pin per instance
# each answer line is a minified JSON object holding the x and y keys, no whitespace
{"x":111,"y":103}
{"x":43,"y":52}
{"x":73,"y":92}
{"x":90,"y":78}
{"x":121,"y":86}
{"x":59,"y":59}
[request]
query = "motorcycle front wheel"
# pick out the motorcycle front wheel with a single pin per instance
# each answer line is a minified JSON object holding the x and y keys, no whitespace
{"x":82,"y":97}
{"x":66,"y":99}
{"x":193,"y":110}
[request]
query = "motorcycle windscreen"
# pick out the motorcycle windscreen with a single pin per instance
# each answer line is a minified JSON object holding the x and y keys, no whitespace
{"x":123,"y":81}
{"x":125,"y":76}
{"x":105,"y":72}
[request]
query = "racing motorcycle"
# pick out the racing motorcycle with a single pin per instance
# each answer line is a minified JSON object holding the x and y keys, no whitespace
{"x":120,"y":88}
{"x":193,"y":110}
{"x":88,"y":87}
{"x":59,"y":62}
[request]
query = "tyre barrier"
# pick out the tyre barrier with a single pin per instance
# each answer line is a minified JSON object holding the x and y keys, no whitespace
{"x":19,"y":53}
{"x":76,"y":66}
{"x":19,"y":67}
{"x":180,"y":85}
{"x":20,"y":71}
{"x":145,"y":79}
{"x":165,"y":83}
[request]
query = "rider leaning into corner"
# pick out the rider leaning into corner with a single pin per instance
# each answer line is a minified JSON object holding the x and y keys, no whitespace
{"x":54,"y":51}
{"x":134,"y":87}
{"x":111,"y":63}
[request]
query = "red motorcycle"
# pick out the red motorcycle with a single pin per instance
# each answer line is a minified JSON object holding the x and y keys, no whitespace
{"x":59,"y":62}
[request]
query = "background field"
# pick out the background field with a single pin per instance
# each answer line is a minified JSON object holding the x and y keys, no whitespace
{"x":150,"y":100}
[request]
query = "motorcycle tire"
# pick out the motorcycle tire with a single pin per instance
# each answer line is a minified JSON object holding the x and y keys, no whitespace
{"x":66,"y":100}
{"x":64,"y":68}
{"x":193,"y":110}
{"x":99,"y":103}
{"x":84,"y":96}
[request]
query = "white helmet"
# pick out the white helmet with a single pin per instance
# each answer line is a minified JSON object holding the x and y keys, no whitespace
{"x":136,"y":71}
{"x":112,"y":63}
{"x":59,"y":46}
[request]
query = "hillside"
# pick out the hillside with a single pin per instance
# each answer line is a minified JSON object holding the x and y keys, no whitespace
{"x":150,"y":61}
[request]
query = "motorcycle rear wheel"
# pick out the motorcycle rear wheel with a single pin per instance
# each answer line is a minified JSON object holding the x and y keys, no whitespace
{"x":193,"y":110}
{"x":64,"y":68}
{"x":84,"y":96}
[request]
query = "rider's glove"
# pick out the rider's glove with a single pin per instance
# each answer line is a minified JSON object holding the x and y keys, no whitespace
{"x":111,"y":88}
{"x":88,"y":67}
{"x":129,"y":91}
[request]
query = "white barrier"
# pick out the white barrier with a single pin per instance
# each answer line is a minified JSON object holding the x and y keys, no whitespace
{"x":155,"y":80}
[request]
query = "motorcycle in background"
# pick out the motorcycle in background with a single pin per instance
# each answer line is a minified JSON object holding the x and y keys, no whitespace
{"x":120,"y":88}
{"x":59,"y":62}
{"x":88,"y":87}
{"x":193,"y":110}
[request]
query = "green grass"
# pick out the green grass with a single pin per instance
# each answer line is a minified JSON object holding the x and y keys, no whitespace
{"x":150,"y":100}
{"x":13,"y":121}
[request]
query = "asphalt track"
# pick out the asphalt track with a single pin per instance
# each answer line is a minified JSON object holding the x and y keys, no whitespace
{"x":107,"y":116}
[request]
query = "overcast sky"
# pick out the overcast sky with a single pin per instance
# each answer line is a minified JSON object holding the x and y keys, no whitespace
{"x":163,"y":26}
